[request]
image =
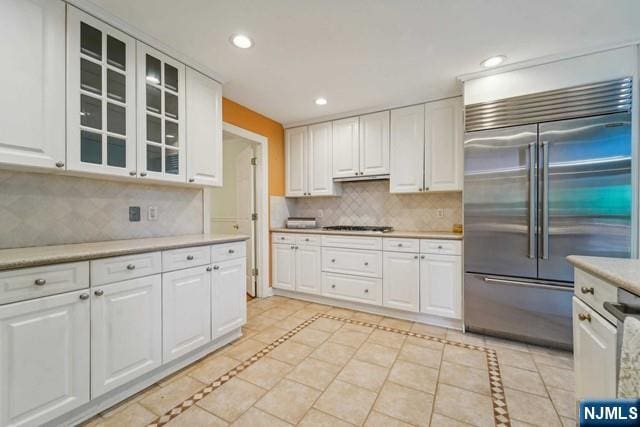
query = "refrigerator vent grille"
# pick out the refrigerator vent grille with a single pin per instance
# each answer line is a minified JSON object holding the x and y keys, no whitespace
{"x":612,"y":96}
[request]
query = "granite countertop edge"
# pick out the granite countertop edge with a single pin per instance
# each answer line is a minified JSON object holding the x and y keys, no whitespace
{"x":621,"y":272}
{"x":409,"y":234}
{"x":36,"y":256}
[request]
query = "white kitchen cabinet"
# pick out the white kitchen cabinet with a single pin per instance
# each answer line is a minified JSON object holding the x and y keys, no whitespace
{"x":284,"y":266}
{"x":295,"y":162}
{"x":101,"y":98}
{"x":204,"y":129}
{"x":441,"y":285}
{"x":161,"y":115}
{"x":32,"y":116}
{"x":126,"y":332}
{"x":228,"y":301}
{"x":401,"y":281}
{"x":594,"y":347}
{"x":406,"y":171}
{"x":346,"y":147}
{"x":44,"y":358}
{"x":367,"y":290}
{"x":308,"y":278}
{"x":374,"y":144}
{"x":186,"y":311}
{"x":443,"y":153}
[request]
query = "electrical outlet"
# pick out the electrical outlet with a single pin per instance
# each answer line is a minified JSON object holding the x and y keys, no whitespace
{"x":440,"y":213}
{"x":152,"y":213}
{"x":319,"y":213}
{"x":134,"y":213}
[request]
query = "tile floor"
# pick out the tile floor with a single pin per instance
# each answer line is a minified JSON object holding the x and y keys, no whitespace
{"x":344,"y":368}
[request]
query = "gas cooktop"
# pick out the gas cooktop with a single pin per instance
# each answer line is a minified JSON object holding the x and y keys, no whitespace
{"x":379,"y":229}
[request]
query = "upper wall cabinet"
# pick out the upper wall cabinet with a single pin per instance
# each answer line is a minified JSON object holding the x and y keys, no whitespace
{"x":204,"y":130}
{"x":346,"y":147}
{"x":426,"y":147}
{"x":101,"y":116}
{"x":161,"y":116}
{"x":32,"y":116}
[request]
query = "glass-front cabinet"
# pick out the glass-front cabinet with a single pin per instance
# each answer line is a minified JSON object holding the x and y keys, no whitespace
{"x":161,"y":115}
{"x":101,"y":116}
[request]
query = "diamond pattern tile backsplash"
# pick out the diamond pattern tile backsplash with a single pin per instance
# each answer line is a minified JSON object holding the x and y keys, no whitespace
{"x":370,"y":203}
{"x":38,"y":209}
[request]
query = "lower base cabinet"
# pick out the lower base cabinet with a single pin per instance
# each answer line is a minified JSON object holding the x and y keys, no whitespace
{"x":44,"y":358}
{"x":284,"y":266}
{"x":401,"y":281}
{"x":126,"y":332}
{"x":228,"y":300}
{"x":367,"y":290}
{"x":308,"y":275}
{"x":441,"y":285}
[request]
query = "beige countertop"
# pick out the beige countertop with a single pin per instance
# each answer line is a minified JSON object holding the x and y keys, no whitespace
{"x":621,"y":272}
{"x":395,"y":233}
{"x":43,"y":255}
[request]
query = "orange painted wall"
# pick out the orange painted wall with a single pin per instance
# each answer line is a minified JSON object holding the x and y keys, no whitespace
{"x":245,"y":118}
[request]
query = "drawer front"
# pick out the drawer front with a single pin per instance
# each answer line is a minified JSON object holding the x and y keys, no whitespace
{"x":287,"y":238}
{"x":228,"y":251}
{"x":360,"y":289}
{"x":595,"y":292}
{"x":352,"y":261}
{"x":392,"y":244}
{"x":177,"y":259}
{"x":110,"y":270}
{"x":308,"y":239}
{"x":353,"y":242}
{"x":30,"y":283}
{"x":441,"y":247}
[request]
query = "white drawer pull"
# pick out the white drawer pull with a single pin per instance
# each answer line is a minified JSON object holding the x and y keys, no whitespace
{"x":131,"y":267}
{"x":40,"y":282}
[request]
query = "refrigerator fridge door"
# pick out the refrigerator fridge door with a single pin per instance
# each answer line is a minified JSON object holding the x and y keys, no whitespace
{"x":500,"y":201}
{"x":518,"y":309}
{"x":584,"y":191}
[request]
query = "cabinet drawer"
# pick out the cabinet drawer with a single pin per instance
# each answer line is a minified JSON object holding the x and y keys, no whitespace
{"x":353,"y":288}
{"x":29,"y":283}
{"x":308,"y":239}
{"x":177,"y":259}
{"x":352,"y":261}
{"x":110,"y":270}
{"x":392,"y":244}
{"x":441,"y":247}
{"x":283,"y":238}
{"x":353,"y":242}
{"x":595,"y":292}
{"x":228,"y":251}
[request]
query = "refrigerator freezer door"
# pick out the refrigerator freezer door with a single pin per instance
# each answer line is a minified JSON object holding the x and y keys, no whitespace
{"x":584,"y":191}
{"x":500,"y":201}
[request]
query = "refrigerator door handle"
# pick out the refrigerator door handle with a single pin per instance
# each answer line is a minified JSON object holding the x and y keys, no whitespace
{"x":545,"y":200}
{"x":532,"y":198}
{"x":492,"y":281}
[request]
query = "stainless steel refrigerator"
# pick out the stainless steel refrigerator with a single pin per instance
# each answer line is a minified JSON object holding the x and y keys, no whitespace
{"x":546,"y":176}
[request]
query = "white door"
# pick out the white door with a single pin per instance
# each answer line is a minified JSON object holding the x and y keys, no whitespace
{"x":443,"y":145}
{"x":283,"y":271}
{"x":295,"y":162}
{"x":186,"y":311}
{"x":161,"y":116}
{"x":401,"y":281}
{"x":319,"y":159}
{"x":228,"y":298}
{"x":204,"y":129}
{"x":101,"y":98}
{"x":32,"y":48}
{"x":126,"y":332}
{"x":308,"y":270}
{"x":441,"y":285}
{"x":594,"y":346}
{"x":44,"y":358}
{"x":406,"y":170}
{"x":374,"y":144}
{"x":346,"y":147}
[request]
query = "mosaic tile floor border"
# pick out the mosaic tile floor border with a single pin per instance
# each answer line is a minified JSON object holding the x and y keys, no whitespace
{"x":500,"y":410}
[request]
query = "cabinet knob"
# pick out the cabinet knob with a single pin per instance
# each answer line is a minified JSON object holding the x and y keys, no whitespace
{"x":586,"y":290}
{"x":584,"y":316}
{"x":216,"y":267}
{"x":399,"y":245}
{"x":59,"y":164}
{"x":143,"y":174}
{"x":84,"y":296}
{"x":99,"y":292}
{"x":366,"y":263}
{"x":131,"y":267}
{"x":306,"y":240}
{"x":415,"y":257}
{"x":282,"y":238}
{"x":421,"y":256}
{"x":192,"y":180}
{"x":439,"y":246}
{"x":293,"y":247}
{"x":426,"y":189}
{"x":231,"y":251}
{"x":209,"y":268}
{"x":132,"y":173}
{"x":419,"y":189}
{"x":189,"y":257}
{"x":333,"y":260}
{"x":366,"y":291}
{"x":40,"y":282}
{"x":333,"y":286}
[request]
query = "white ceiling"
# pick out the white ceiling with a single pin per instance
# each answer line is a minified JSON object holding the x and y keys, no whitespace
{"x":367,"y":53}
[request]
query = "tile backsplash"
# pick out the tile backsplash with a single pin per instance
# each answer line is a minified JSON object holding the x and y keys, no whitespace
{"x":39,"y":209}
{"x":370,"y":203}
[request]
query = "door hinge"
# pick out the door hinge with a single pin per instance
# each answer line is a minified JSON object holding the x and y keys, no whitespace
{"x":254,"y":271}
{"x":254,"y":216}
{"x":254,"y":161}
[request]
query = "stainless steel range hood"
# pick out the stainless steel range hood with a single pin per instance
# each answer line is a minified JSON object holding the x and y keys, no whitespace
{"x":362,"y":178}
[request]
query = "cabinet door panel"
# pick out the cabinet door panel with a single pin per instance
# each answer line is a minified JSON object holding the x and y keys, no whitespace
{"x":44,"y":358}
{"x":443,"y":145}
{"x":320,"y":160}
{"x":284,"y":267}
{"x":295,"y":161}
{"x":308,"y":276}
{"x":441,"y":285}
{"x":126,"y":332}
{"x":32,"y":48}
{"x":401,"y":282}
{"x":407,"y":150}
{"x":346,"y":147}
{"x":186,"y":311}
{"x":374,"y":144}
{"x":229,"y":302}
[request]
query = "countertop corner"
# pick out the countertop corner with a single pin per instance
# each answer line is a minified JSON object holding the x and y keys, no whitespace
{"x":621,"y":272}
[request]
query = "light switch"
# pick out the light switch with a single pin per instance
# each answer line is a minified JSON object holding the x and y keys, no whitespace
{"x":440,"y":213}
{"x":134,"y":213}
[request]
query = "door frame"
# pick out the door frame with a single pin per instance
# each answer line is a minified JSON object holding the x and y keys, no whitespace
{"x":262,"y":205}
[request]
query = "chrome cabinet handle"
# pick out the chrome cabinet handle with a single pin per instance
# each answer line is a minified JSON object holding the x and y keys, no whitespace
{"x":333,"y":286}
{"x":132,"y":173}
{"x":84,"y":296}
{"x":216,"y":267}
{"x":189,"y":257}
{"x":586,"y":290}
{"x":231,"y":251}
{"x":131,"y":267}
{"x":99,"y":292}
{"x":333,"y":260}
{"x":40,"y":282}
{"x":584,"y":316}
{"x":209,"y":268}
{"x":59,"y":164}
{"x":399,"y":245}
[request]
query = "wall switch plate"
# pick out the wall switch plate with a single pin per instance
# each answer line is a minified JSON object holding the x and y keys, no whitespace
{"x":440,"y":213}
{"x":152,"y":213}
{"x":134,"y":213}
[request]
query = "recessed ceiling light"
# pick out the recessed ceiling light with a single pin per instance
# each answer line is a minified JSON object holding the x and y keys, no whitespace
{"x":321,"y":101}
{"x":241,"y":41}
{"x":493,"y":61}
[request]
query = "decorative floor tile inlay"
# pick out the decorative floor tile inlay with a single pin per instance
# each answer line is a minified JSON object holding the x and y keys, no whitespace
{"x":500,"y":410}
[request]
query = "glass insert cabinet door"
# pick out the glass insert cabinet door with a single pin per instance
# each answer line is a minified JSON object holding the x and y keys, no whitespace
{"x":101,"y":116}
{"x":161,"y":115}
